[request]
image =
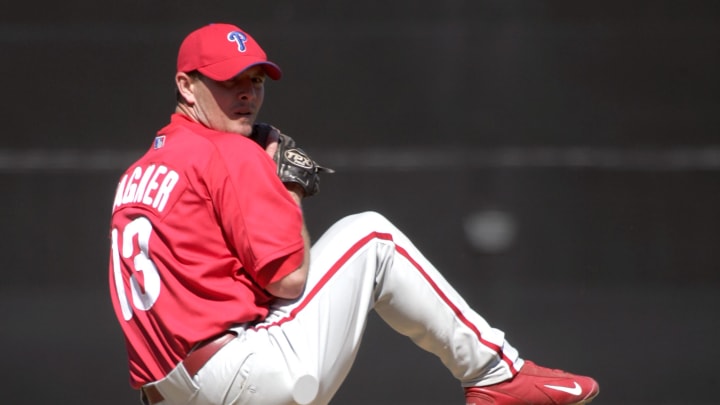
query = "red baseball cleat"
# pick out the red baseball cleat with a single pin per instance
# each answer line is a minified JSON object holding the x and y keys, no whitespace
{"x":535,"y":385}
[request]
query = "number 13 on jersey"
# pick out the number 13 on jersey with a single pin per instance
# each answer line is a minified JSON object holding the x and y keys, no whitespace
{"x":137,"y":257}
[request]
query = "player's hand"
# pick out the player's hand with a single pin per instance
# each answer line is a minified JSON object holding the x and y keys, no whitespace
{"x":266,"y":136}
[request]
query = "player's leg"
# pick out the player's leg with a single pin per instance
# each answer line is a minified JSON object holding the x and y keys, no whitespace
{"x":433,"y":315}
{"x":364,"y":262}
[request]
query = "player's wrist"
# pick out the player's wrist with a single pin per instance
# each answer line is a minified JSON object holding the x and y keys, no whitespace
{"x":296,"y":191}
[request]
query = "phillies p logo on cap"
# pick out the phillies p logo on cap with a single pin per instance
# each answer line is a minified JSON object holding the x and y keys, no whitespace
{"x":240,"y":38}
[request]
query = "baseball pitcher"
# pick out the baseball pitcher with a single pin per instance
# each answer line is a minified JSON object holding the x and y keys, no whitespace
{"x":220,"y":295}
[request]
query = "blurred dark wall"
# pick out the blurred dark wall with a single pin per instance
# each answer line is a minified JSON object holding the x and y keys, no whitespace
{"x":590,"y":127}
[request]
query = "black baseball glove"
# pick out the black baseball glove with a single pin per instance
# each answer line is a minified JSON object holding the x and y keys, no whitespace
{"x":293,"y":164}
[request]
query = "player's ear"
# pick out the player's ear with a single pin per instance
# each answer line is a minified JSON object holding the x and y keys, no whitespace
{"x":184,"y":87}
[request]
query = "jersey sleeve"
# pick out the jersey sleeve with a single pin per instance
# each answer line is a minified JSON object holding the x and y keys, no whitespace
{"x":280,"y":268}
{"x":259,"y":217}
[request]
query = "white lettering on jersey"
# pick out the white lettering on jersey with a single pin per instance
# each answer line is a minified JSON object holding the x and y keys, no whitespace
{"x":151,"y":186}
{"x":145,"y":293}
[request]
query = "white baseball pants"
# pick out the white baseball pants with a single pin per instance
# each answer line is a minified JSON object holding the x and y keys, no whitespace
{"x":304,"y":350}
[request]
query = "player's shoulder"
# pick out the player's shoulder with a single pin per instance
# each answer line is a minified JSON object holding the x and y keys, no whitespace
{"x":195,"y":140}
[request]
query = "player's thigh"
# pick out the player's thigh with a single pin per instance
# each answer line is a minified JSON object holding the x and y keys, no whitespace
{"x":244,"y":372}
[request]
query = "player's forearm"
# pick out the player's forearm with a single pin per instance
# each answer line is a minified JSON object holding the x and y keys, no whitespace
{"x":293,"y":285}
{"x":301,"y":273}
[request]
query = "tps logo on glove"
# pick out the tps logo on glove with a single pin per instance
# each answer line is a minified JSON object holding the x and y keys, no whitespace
{"x":299,"y":159}
{"x":293,"y":164}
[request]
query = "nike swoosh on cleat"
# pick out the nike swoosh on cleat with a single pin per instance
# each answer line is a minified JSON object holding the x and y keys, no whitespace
{"x":576,"y":390}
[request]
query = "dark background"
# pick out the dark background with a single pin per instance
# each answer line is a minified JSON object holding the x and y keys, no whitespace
{"x":590,"y":126}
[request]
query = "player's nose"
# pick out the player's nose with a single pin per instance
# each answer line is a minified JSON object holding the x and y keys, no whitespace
{"x":246,"y":91}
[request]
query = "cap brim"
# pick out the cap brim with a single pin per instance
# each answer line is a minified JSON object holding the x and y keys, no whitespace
{"x":230,"y":68}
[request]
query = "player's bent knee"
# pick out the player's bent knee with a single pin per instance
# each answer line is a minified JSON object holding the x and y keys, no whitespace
{"x":370,"y":221}
{"x":356,"y":226}
{"x":372,"y":216}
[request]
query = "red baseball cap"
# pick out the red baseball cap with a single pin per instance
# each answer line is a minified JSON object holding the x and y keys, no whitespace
{"x":221,"y":51}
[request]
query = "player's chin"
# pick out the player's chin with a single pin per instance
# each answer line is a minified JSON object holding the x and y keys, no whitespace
{"x":243,"y":127}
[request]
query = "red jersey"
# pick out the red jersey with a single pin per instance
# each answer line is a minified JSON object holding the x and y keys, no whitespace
{"x":201,"y":224}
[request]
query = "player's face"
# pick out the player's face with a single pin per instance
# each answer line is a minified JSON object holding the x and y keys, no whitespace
{"x":231,"y":105}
